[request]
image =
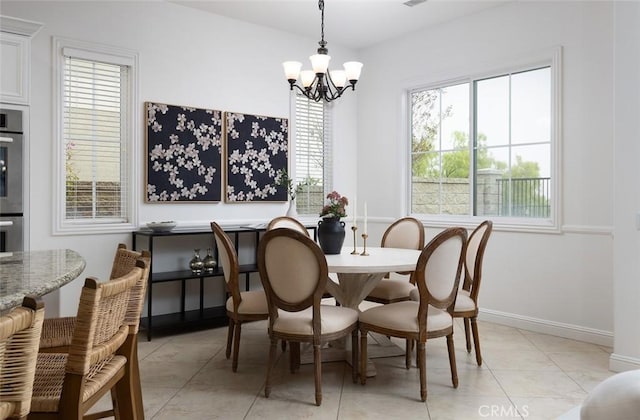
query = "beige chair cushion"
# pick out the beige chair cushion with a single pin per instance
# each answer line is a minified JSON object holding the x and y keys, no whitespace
{"x":464,"y":302}
{"x":390,"y":289}
{"x":253,"y":302}
{"x":403,"y":316}
{"x":333,"y":319}
{"x":414,"y":294}
{"x":615,"y":398}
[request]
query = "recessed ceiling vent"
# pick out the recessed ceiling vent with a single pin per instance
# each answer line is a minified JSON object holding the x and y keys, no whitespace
{"x":412,"y":3}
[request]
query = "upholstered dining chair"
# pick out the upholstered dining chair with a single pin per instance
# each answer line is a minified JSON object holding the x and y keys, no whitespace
{"x":408,"y":233}
{"x":287,"y":222}
{"x":19,"y":335}
{"x":241,"y":306}
{"x":67,"y":385}
{"x":467,"y":300}
{"x":293,"y":271}
{"x":291,"y":223}
{"x":437,"y":276}
{"x":58,"y":332}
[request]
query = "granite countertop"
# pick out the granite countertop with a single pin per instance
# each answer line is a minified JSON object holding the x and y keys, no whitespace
{"x":36,"y":273}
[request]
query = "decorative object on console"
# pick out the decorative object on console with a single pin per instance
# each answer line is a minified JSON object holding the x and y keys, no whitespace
{"x":257,"y":147}
{"x":184,"y":154}
{"x":161,"y":227}
{"x":209,"y":262}
{"x":283,"y":180}
{"x":320,"y":83}
{"x":330,"y":228}
{"x":196,"y":264}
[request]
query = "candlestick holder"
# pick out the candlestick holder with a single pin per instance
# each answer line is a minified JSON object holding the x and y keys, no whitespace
{"x":364,"y":240}
{"x":354,"y":228}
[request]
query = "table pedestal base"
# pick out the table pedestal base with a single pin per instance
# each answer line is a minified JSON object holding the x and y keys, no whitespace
{"x":379,"y":346}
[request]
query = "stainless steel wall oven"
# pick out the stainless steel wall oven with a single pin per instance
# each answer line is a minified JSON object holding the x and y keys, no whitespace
{"x":11,"y":180}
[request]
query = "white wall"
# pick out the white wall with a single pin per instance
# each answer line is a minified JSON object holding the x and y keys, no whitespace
{"x":560,"y":283}
{"x":187,"y":57}
{"x":626,"y":273}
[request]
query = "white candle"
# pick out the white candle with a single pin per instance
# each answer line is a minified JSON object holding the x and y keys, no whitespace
{"x":365,"y":218}
{"x":355,"y":208}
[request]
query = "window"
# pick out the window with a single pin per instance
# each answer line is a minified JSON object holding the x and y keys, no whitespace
{"x":485,"y":147}
{"x":312,"y":154}
{"x":95,"y":142}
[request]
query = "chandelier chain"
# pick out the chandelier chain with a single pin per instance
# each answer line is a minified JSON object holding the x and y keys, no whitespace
{"x":321,"y":6}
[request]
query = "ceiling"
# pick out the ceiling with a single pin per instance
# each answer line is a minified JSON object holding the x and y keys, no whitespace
{"x":352,"y":23}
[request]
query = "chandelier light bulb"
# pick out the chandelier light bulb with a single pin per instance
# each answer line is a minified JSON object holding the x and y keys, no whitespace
{"x":320,"y":63}
{"x":353,"y":69}
{"x":292,"y":69}
{"x":307,"y":76}
{"x":339,"y":78}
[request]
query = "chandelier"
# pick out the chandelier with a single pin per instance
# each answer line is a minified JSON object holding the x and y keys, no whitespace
{"x":320,"y":83}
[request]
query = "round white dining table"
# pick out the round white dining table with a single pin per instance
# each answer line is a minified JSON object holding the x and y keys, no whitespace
{"x":359,"y":274}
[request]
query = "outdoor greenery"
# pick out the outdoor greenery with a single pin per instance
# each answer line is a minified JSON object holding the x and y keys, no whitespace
{"x":428,"y":161}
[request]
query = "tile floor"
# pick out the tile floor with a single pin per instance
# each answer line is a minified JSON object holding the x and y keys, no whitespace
{"x":525,"y":375}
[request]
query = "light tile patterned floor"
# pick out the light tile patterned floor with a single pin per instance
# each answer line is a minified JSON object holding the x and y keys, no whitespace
{"x":525,"y":375}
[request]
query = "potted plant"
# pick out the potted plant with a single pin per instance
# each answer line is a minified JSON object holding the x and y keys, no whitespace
{"x":330,"y":228}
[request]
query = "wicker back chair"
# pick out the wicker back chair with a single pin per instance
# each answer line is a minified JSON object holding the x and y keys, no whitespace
{"x":19,"y":335}
{"x":57,"y":332}
{"x":68,"y":384}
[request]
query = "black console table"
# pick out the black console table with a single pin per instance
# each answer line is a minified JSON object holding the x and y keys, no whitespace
{"x":211,"y":316}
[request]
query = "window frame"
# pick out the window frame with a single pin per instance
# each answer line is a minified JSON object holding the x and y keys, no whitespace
{"x":112,"y":55}
{"x":552,"y":59}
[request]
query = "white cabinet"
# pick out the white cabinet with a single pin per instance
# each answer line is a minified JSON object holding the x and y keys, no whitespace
{"x":15,"y":59}
{"x":14,"y":71}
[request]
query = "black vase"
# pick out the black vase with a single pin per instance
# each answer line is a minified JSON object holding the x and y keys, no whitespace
{"x":331,"y":235}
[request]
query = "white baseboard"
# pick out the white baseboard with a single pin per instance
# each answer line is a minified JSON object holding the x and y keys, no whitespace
{"x":619,"y":363}
{"x":574,"y":332}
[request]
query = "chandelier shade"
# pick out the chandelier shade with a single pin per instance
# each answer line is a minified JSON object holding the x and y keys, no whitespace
{"x":320,"y":83}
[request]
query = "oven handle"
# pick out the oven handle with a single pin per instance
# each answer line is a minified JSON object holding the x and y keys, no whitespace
{"x":6,"y":140}
{"x":6,"y":223}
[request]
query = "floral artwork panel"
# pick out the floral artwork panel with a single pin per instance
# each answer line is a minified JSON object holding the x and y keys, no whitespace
{"x":184,"y":154}
{"x":257,"y":152}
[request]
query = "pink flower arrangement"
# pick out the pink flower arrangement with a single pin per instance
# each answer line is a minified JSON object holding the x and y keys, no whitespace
{"x":335,"y":207}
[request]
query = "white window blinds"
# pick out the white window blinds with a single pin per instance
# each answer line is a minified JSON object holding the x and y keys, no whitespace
{"x":313,"y":154}
{"x":94,"y":126}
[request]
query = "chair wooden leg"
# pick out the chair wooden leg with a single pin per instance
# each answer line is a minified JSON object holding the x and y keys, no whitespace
{"x":422,"y":366}
{"x":317,"y":367}
{"x":128,"y":392}
{"x":363,"y":357}
{"x":354,"y":355}
{"x":236,"y":346}
{"x":452,"y":360}
{"x":284,"y":345}
{"x":230,"y":337}
{"x":476,"y":339}
{"x":467,"y":333}
{"x":407,"y":353}
{"x":272,"y":360}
